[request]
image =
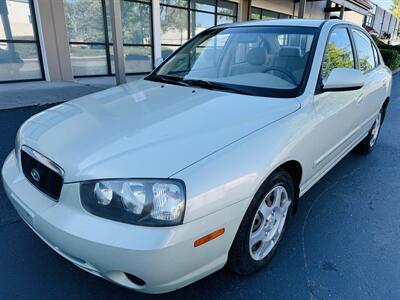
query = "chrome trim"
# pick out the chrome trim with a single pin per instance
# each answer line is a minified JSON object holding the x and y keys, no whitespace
{"x":43,"y":160}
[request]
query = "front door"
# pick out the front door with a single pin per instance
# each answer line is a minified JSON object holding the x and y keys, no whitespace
{"x":337,"y":112}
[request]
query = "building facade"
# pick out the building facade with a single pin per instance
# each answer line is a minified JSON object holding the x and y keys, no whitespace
{"x":66,"y":39}
{"x":383,"y":24}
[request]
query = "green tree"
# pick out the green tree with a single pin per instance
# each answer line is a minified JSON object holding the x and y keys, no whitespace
{"x":84,"y":20}
{"x":336,"y":57}
{"x":365,"y":64}
{"x":175,"y":19}
{"x":395,"y":8}
{"x":136,"y":22}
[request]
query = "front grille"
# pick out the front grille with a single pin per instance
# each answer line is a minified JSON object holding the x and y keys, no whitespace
{"x":41,"y":172}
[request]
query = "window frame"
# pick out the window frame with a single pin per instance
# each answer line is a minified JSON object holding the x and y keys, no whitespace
{"x":189,"y":10}
{"x":188,"y":24}
{"x":373,"y":46}
{"x":370,"y":20}
{"x":376,"y":54}
{"x":151,"y":46}
{"x":268,"y":10}
{"x":318,"y":89}
{"x":35,"y":41}
{"x":274,"y":93}
{"x":108,"y":43}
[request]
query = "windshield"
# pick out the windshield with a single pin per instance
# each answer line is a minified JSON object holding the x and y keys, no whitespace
{"x":266,"y":61}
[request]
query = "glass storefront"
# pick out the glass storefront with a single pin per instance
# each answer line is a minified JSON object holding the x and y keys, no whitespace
{"x":183,"y":19}
{"x":20,"y":57}
{"x":257,"y":13}
{"x":90,"y":36}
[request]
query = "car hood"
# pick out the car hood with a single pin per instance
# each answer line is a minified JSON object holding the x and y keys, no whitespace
{"x":145,"y":129}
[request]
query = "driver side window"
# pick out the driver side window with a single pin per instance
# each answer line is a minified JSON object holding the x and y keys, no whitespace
{"x":338,"y":52}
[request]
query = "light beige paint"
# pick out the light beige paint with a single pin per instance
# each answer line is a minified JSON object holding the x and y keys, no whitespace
{"x":19,"y":14}
{"x":243,"y":10}
{"x":282,"y":6}
{"x":354,"y":17}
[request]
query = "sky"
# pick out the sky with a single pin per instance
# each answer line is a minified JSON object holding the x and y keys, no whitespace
{"x":383,"y":3}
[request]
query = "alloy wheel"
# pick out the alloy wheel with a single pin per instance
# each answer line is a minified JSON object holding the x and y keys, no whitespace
{"x":375,"y":130}
{"x":268,"y":222}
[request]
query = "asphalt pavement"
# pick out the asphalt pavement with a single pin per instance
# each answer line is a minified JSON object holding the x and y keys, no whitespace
{"x":342,"y":243}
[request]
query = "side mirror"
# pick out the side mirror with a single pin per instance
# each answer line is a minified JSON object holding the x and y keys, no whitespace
{"x":158,"y":61}
{"x":342,"y":79}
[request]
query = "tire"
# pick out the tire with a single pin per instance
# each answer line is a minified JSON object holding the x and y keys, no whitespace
{"x":368,"y":143}
{"x":245,"y":259}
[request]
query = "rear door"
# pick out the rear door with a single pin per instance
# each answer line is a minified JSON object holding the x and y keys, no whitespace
{"x":376,"y":79}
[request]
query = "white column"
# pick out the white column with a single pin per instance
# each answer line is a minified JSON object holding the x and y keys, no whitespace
{"x":118,"y":43}
{"x":244,"y":7}
{"x":156,"y":31}
{"x":53,"y":39}
{"x":341,"y":15}
{"x":328,"y":6}
{"x":302,"y":9}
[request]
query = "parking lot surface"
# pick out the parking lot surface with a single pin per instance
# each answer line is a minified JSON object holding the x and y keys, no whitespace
{"x":342,"y":243}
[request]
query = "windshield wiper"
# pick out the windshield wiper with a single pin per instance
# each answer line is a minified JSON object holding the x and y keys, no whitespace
{"x":169,"y":79}
{"x":216,"y":86}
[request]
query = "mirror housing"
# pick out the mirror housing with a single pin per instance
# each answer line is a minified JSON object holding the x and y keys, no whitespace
{"x":158,"y":61}
{"x":342,"y":79}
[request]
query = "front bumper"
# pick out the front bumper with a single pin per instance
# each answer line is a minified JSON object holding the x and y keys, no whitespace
{"x":164,"y":258}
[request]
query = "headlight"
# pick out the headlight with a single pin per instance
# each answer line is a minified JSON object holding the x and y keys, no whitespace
{"x":140,"y":202}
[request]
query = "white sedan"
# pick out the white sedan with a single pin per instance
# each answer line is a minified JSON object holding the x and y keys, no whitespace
{"x":157,"y":183}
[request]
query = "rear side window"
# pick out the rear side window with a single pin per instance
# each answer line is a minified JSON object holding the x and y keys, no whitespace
{"x":338,"y":52}
{"x":365,"y":51}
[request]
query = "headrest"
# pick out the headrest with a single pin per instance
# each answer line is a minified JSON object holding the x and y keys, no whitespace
{"x":256,"y":56}
{"x":290,"y":51}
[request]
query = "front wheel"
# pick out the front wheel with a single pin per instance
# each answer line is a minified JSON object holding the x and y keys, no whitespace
{"x":263,"y":224}
{"x":369,"y":142}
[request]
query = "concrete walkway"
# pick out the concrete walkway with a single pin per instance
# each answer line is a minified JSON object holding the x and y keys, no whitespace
{"x":13,"y":95}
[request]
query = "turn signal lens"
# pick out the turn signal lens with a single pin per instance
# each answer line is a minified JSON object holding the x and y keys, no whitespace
{"x":209,"y":237}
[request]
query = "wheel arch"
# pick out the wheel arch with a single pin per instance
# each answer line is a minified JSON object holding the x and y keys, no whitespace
{"x":295,"y":170}
{"x":384,"y":106}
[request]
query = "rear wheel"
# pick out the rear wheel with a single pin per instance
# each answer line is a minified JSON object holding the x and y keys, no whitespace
{"x":369,"y":142}
{"x":263,"y":224}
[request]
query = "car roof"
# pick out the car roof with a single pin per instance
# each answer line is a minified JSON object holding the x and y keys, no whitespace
{"x":286,"y":22}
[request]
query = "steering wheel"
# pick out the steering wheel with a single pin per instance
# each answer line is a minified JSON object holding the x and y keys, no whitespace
{"x":283,"y":71}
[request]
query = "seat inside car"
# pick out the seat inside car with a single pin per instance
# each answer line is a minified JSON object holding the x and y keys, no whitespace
{"x":287,"y":58}
{"x":290,"y":59}
{"x":255,"y":62}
